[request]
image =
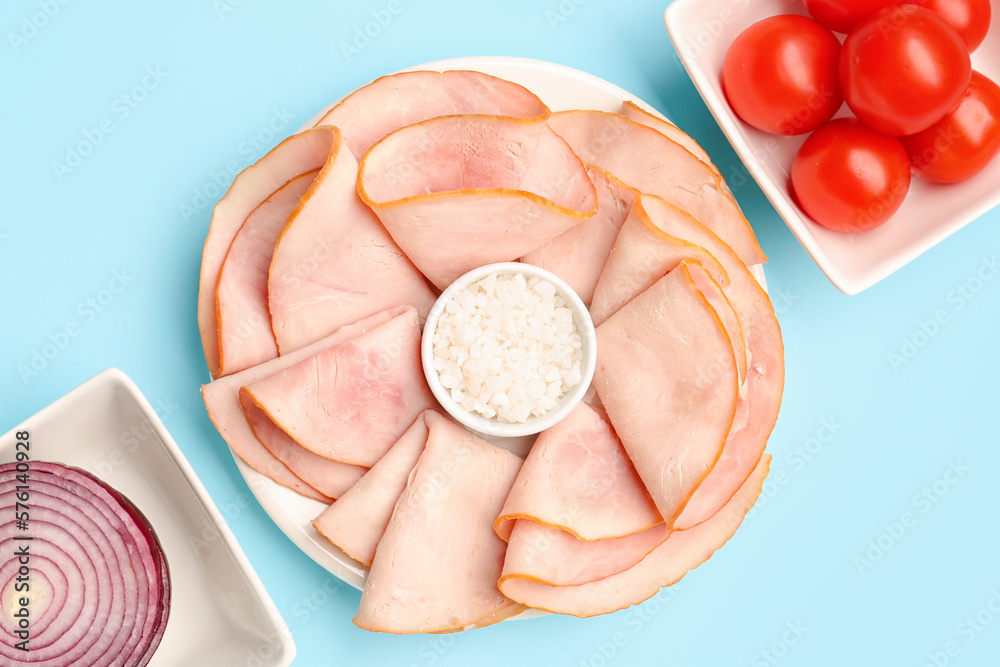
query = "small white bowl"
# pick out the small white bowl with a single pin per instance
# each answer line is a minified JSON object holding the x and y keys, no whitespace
{"x":493,"y":427}
{"x":702,"y":30}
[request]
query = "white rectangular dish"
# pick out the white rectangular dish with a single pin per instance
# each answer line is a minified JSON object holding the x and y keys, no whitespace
{"x":220,"y":613}
{"x":702,"y":30}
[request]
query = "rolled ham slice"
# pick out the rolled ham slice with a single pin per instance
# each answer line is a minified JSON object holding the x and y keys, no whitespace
{"x":667,"y":376}
{"x":680,"y":553}
{"x":397,"y":100}
{"x":654,"y":164}
{"x":461,"y":191}
{"x":578,"y":255}
{"x":765,"y":378}
{"x":297,"y":155}
{"x":333,"y":261}
{"x":352,"y":401}
{"x":438,"y":562}
{"x":578,"y":478}
{"x":245,"y":336}
{"x":222,"y":400}
{"x":356,"y":522}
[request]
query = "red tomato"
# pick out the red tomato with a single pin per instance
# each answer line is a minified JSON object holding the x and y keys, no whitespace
{"x":903,"y":68}
{"x":780,"y":75}
{"x":971,"y":18}
{"x":962,"y":143}
{"x":842,"y":15}
{"x":850,"y":178}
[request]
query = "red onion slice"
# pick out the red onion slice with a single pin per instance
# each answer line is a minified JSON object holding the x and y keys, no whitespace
{"x":98,"y":579}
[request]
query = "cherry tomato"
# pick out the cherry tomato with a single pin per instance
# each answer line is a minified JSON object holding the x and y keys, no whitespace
{"x":850,"y":178}
{"x":842,"y":15}
{"x":780,"y":75}
{"x":903,"y":68}
{"x":962,"y":143}
{"x":970,"y":18}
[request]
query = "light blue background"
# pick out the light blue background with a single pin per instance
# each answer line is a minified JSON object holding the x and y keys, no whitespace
{"x":140,"y":203}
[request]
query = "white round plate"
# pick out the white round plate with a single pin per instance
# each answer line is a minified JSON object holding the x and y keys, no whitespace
{"x":561,"y":88}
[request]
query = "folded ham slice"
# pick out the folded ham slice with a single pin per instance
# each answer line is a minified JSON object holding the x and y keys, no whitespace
{"x":633,"y":111}
{"x":222,"y":400}
{"x":680,"y":553}
{"x":667,"y":376}
{"x":458,"y":192}
{"x":333,"y":261}
{"x":723,"y":307}
{"x":356,"y":522}
{"x":765,"y":372}
{"x":578,"y":255}
{"x":438,"y":562}
{"x":638,"y":259}
{"x":541,"y":553}
{"x":297,"y":155}
{"x":351,"y":401}
{"x":245,"y":336}
{"x":578,"y":511}
{"x":577,"y":477}
{"x":397,"y":100}
{"x":652,"y":163}
{"x":643,"y":252}
{"x":329,"y":477}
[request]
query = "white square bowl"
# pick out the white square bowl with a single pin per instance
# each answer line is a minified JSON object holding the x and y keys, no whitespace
{"x":702,"y":30}
{"x":220,"y":613}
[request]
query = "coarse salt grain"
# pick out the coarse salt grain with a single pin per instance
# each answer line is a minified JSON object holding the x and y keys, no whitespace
{"x":507,"y":347}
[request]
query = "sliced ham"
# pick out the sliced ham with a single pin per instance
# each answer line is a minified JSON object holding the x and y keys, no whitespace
{"x":458,"y":192}
{"x":502,"y":615}
{"x":765,"y":371}
{"x":638,"y":259}
{"x":633,"y":111}
{"x":222,"y":400}
{"x":643,"y":252}
{"x":723,"y":307}
{"x":333,"y":261}
{"x":438,"y":562}
{"x":397,"y":100}
{"x":578,"y":255}
{"x":577,"y":477}
{"x":544,"y":554}
{"x":245,"y":336}
{"x":667,"y":376}
{"x":680,"y":553}
{"x":356,"y":522}
{"x":329,"y":477}
{"x":297,"y":155}
{"x":653,"y":163}
{"x":351,"y":401}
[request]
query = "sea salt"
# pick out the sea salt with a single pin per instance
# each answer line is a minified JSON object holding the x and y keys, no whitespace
{"x":507,"y":347}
